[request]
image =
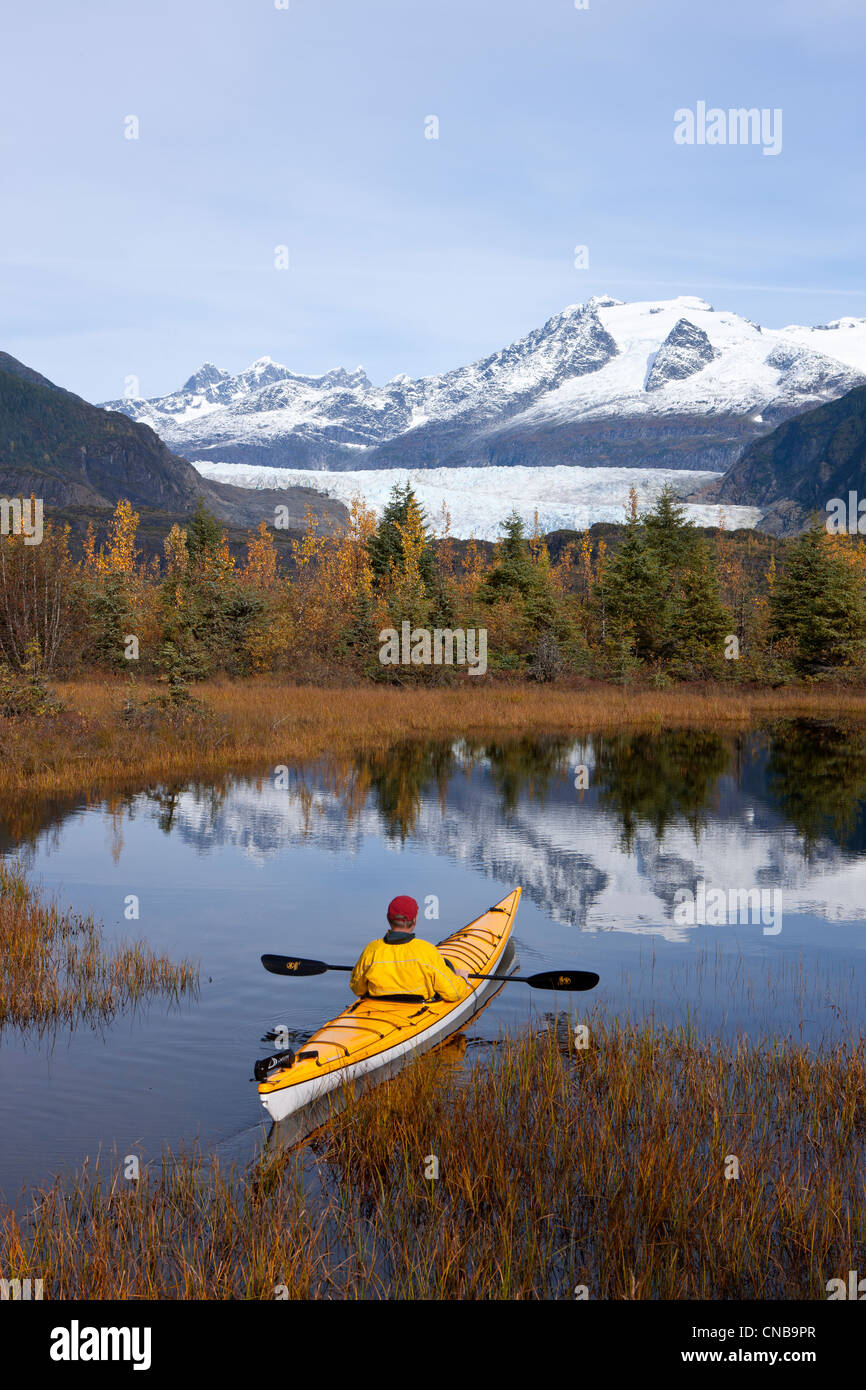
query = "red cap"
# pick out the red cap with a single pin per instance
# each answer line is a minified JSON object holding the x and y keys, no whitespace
{"x":403,"y":907}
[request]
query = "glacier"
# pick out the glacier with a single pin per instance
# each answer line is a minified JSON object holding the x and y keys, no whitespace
{"x":477,"y":500}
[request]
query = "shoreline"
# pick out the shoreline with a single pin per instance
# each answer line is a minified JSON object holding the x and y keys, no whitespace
{"x":235,"y":726}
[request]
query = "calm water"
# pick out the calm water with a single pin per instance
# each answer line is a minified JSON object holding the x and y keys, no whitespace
{"x":306,"y":863}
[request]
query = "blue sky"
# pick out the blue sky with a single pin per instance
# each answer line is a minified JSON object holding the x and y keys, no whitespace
{"x":304,"y":127}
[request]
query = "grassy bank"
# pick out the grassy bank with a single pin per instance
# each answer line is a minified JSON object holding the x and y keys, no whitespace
{"x":56,"y":971}
{"x":94,"y":745}
{"x":607,"y":1170}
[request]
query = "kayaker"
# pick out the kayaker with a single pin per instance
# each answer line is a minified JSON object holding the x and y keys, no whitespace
{"x":400,"y":965}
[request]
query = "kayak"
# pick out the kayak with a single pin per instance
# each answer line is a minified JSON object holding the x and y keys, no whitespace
{"x":375,"y":1036}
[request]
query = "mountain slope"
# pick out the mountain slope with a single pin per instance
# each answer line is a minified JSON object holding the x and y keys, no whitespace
{"x":801,"y":466}
{"x":673,"y":383}
{"x":73,"y":454}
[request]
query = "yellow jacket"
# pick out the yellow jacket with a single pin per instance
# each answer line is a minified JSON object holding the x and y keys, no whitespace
{"x":413,"y":966}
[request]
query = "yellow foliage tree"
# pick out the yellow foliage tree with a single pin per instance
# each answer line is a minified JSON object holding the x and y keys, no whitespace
{"x":119,"y":555}
{"x":331,"y":573}
{"x":174,"y":549}
{"x":407,"y":595}
{"x":261,"y":570}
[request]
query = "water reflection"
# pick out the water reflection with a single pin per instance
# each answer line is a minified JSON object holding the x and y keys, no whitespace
{"x":660,"y":778}
{"x":816,"y":775}
{"x":779,"y":807}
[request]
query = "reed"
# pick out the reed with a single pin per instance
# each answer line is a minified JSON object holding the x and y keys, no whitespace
{"x":560,"y":1170}
{"x":55,"y":969}
{"x":90,"y":747}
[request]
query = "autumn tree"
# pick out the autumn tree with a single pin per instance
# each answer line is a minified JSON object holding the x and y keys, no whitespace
{"x":261,"y":570}
{"x":270,"y":631}
{"x":335,"y":606}
{"x":112,"y":587}
{"x":403,"y":568}
{"x":39,"y":603}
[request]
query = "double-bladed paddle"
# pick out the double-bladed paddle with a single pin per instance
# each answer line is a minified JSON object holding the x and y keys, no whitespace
{"x":295,"y":966}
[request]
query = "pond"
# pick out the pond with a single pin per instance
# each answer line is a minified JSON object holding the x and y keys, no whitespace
{"x":715,"y":881}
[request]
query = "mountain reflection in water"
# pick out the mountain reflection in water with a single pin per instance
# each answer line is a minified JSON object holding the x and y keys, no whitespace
{"x":663,"y":811}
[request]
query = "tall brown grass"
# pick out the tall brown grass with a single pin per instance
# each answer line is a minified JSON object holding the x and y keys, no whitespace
{"x":55,"y":969}
{"x":251,"y":723}
{"x":560,"y":1171}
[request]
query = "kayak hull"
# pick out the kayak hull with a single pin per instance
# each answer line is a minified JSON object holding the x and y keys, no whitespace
{"x":373,"y":1037}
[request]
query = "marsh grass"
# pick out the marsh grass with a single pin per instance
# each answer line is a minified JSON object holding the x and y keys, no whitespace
{"x":95,"y":743}
{"x":56,"y":971}
{"x":558,"y":1167}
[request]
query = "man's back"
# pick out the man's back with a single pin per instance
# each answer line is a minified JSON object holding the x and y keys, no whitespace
{"x":411,"y":966}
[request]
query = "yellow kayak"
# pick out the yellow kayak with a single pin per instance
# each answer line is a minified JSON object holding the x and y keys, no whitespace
{"x":372,"y":1035}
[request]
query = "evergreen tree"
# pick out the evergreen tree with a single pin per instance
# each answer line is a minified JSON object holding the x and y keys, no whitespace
{"x":359,"y":639}
{"x":520,"y":577}
{"x":635,"y":596}
{"x":513,"y":576}
{"x":111,"y":587}
{"x":817,"y":605}
{"x":204,"y":536}
{"x":109,"y":619}
{"x":699,"y":620}
{"x":669,"y":536}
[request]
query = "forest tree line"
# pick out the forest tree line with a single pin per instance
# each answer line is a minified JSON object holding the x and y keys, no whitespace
{"x":666,"y":603}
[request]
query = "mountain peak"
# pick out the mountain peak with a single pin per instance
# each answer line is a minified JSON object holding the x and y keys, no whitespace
{"x":685,"y":350}
{"x":207,"y":375}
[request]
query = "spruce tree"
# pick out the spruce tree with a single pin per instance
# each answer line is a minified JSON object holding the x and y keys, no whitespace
{"x":698,"y":618}
{"x":523,"y":581}
{"x":206,"y":612}
{"x":203,"y":535}
{"x":513,"y":576}
{"x":817,"y":605}
{"x":669,"y":536}
{"x":635,"y":599}
{"x":394,"y":549}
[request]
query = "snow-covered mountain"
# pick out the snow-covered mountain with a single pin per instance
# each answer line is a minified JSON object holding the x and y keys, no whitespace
{"x":666,"y":384}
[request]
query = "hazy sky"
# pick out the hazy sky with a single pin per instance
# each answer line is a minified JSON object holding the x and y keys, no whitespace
{"x":305,"y":127}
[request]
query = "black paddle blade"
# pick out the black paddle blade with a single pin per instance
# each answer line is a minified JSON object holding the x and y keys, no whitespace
{"x":564,"y":979}
{"x":293,"y":965}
